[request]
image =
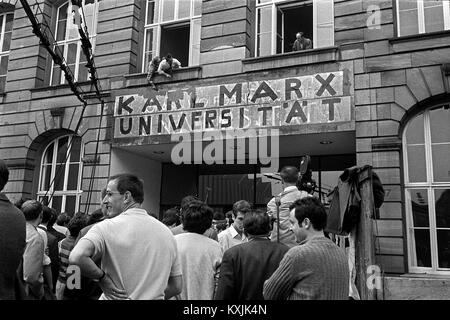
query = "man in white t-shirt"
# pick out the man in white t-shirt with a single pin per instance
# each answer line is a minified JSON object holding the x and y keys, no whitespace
{"x":139,"y":258}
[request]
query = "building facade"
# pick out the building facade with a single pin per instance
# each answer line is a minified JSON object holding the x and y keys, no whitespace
{"x":373,"y":89}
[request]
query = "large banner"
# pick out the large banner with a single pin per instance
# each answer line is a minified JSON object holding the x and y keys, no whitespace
{"x":311,"y":99}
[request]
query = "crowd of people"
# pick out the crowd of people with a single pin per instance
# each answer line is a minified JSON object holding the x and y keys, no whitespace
{"x":193,"y":253}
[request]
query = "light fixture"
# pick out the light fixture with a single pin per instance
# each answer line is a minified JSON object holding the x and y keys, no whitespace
{"x":326,"y":142}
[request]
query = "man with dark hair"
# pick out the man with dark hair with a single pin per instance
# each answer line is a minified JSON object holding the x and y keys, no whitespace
{"x":167,"y":64}
{"x":234,"y":235}
{"x":138,"y":254}
{"x":12,"y":239}
{"x":210,"y":232}
{"x":245,"y":267}
{"x":33,"y":257}
{"x":317,"y":269}
{"x":200,"y":256}
{"x":289,"y":177}
{"x":171,"y":218}
{"x":51,"y":222}
{"x":75,"y":225}
{"x":52,"y":243}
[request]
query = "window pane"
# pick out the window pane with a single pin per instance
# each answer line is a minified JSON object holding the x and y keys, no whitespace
{"x":152,"y":13}
{"x":409,"y":18}
{"x":150,"y":46}
{"x":184,"y":9}
{"x":46,"y":171}
{"x":72,"y":183}
{"x":419,"y":205}
{"x":76,"y":149}
{"x":168,"y":10}
{"x":434,"y":16}
{"x":1,"y":20}
{"x":416,"y":163}
{"x":56,"y":78}
{"x":56,"y":203}
{"x":2,"y":83}
{"x":62,"y":149}
{"x":196,"y":31}
{"x":9,"y":22}
{"x":423,"y":248}
{"x":442,"y":197}
{"x":265,"y":20}
{"x":6,"y":41}
{"x":264,"y":44}
{"x":63,"y":12}
{"x":70,"y":204}
{"x":59,"y":177}
{"x":325,"y":34}
{"x":443,"y":239}
{"x":4,"y":65}
{"x":89,"y":12}
{"x":439,"y":125}
{"x":197,"y":7}
{"x":441,"y":162}
{"x":49,"y":155}
{"x":71,"y":53}
{"x":61,"y":32}
{"x":71,"y":27}
{"x":414,"y":132}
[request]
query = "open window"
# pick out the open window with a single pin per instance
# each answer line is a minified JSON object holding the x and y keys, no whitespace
{"x":278,"y":22}
{"x":173,"y":26}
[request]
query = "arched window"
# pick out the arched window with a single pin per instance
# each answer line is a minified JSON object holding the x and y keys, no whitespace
{"x":426,"y":151}
{"x":6,"y":24}
{"x":67,"y":40}
{"x":61,"y":178}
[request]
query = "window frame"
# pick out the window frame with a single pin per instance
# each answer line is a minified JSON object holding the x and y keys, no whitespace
{"x":62,"y":193}
{"x":277,"y":5}
{"x":421,"y":17}
{"x":2,"y":38}
{"x":92,"y":30}
{"x":159,"y":24}
{"x":430,"y":185}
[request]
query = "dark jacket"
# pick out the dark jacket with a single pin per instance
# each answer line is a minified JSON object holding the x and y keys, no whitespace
{"x":245,"y":267}
{"x":12,"y":245}
{"x":52,"y":245}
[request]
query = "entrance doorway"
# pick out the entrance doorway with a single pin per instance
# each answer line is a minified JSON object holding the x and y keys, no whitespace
{"x":222,"y":185}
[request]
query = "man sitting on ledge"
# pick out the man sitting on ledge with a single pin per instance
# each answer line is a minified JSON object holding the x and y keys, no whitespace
{"x":167,"y":64}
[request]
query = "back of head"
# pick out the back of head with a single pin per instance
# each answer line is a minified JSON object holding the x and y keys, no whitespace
{"x":186,"y":201}
{"x":77,"y":223}
{"x":289,"y":174}
{"x":95,"y":217}
{"x":197,"y":217}
{"x":257,"y":223}
{"x":169,"y":56}
{"x":4,"y":174}
{"x":31,"y":209}
{"x":313,"y":209}
{"x":63,"y":219}
{"x":241,"y":206}
{"x":130,"y":182}
{"x":48,"y":216}
{"x":171,"y":217}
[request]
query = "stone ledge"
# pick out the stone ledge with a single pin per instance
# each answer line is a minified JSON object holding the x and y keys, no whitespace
{"x":415,"y":287}
{"x":305,"y":57}
{"x":182,"y":74}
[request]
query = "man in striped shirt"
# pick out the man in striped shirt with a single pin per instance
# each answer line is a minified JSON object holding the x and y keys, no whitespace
{"x":317,"y":269}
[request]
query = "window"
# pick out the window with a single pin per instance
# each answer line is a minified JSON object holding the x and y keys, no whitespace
{"x":67,"y":40}
{"x":422,"y":16}
{"x":6,"y":23}
{"x":173,"y":26}
{"x":278,"y":22}
{"x":426,"y":152}
{"x":61,"y":178}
